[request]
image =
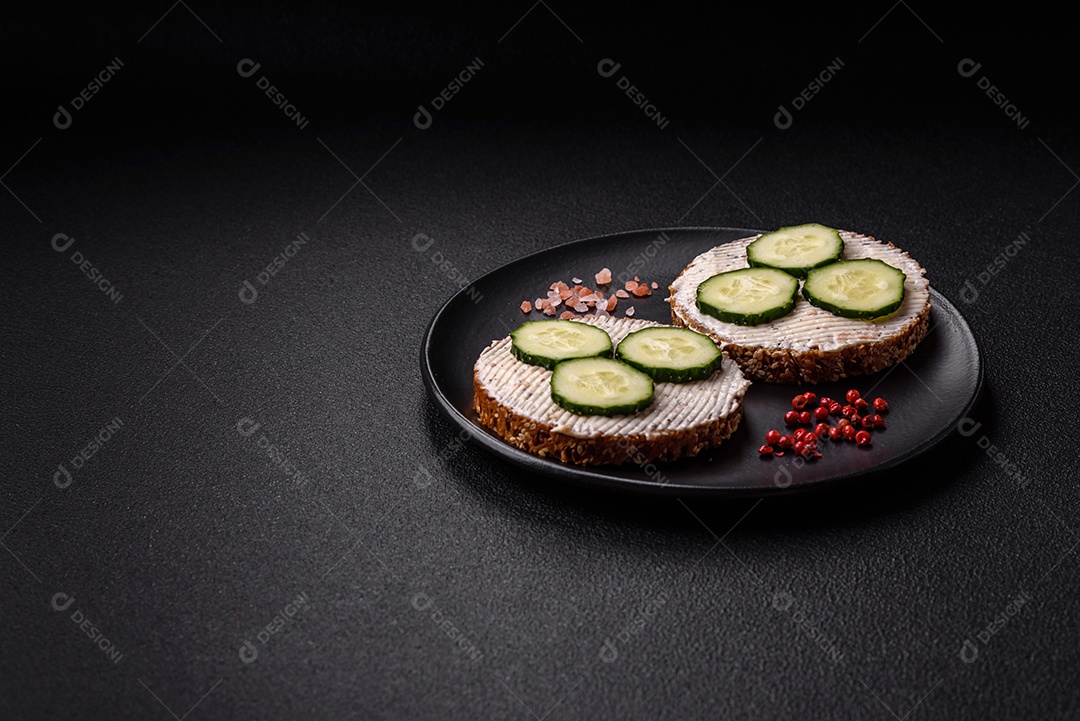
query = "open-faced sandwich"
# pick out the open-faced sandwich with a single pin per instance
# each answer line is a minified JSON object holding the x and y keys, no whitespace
{"x":605,"y":390}
{"x":806,"y":304}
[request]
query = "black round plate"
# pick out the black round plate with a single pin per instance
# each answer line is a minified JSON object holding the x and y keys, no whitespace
{"x":928,"y":393}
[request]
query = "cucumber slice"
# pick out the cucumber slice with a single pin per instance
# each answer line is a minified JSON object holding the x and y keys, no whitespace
{"x":749,"y":296}
{"x":865,"y":288}
{"x":600,"y":387}
{"x":671,"y":355}
{"x":546,"y":342}
{"x":796,"y":249}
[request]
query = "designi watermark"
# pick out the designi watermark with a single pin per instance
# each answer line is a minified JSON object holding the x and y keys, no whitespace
{"x":783,"y":478}
{"x":63,"y":477}
{"x":62,"y":602}
{"x":62,"y":119}
{"x":423,"y":117}
{"x":248,"y":427}
{"x":422,"y":243}
{"x":642,"y":617}
{"x":968,"y":427}
{"x":248,"y":292}
{"x":635,"y":455}
{"x":968,"y":68}
{"x":423,"y":478}
{"x":607,"y":68}
{"x":61,"y":242}
{"x":784,"y":117}
{"x":970,"y":292}
{"x":783,"y":602}
{"x":247,"y":68}
{"x":423,"y":602}
{"x":969,"y":652}
{"x":249,"y":652}
{"x":642,"y":259}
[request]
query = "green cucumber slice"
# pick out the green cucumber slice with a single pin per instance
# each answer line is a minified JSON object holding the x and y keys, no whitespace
{"x":670,"y":355}
{"x":864,"y":289}
{"x":748,"y":296}
{"x":796,"y":249}
{"x":600,"y":387}
{"x":546,"y":342}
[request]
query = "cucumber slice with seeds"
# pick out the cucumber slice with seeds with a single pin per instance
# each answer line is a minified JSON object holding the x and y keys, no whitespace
{"x":749,"y":296}
{"x":796,"y":249}
{"x":600,"y":387}
{"x":669,"y":354}
{"x":546,"y":342}
{"x":864,"y":289}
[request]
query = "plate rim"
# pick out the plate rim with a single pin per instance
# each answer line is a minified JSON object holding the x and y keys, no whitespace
{"x":593,"y":479}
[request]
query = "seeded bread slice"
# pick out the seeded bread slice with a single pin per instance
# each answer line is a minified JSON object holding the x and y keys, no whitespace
{"x":513,"y":399}
{"x":809,"y":345}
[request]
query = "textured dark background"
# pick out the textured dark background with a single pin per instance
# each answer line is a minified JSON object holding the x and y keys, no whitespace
{"x":180,"y":539}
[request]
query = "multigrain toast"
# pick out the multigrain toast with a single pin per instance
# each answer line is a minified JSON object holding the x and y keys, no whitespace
{"x":809,"y":345}
{"x":513,"y":399}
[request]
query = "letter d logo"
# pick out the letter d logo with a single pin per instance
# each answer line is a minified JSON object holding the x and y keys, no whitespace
{"x":607,"y":67}
{"x":62,"y":477}
{"x":246,"y":68}
{"x":62,"y":118}
{"x":248,"y":652}
{"x":248,"y":294}
{"x":782,"y":119}
{"x":422,"y":119}
{"x":782,"y":478}
{"x":968,"y":67}
{"x":61,"y":601}
{"x":421,"y":242}
{"x":967,"y":426}
{"x":422,"y":478}
{"x":246,"y":426}
{"x":608,"y":652}
{"x":969,"y":293}
{"x":62,"y":238}
{"x":968,"y":652}
{"x":782,"y":600}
